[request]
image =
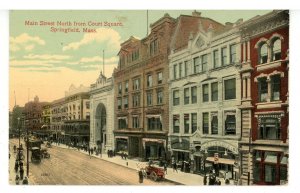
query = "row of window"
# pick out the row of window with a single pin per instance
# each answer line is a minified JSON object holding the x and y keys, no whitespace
{"x":200,"y":63}
{"x":136,"y":99}
{"x":190,"y":94}
{"x":137,"y":82}
{"x":265,"y":50}
{"x":208,"y":126}
{"x":153,"y":123}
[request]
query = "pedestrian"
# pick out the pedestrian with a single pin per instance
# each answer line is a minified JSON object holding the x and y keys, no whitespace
{"x":17,"y":180}
{"x":92,"y":151}
{"x":25,"y":181}
{"x":212,"y":178}
{"x":89,"y":151}
{"x":165,"y":168}
{"x":141,"y":176}
{"x":21,"y":172}
{"x":205,"y":179}
{"x":175,"y":166}
{"x":21,"y":164}
{"x":16,"y":166}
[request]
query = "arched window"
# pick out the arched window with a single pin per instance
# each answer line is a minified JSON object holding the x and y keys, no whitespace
{"x":263,"y":55}
{"x":276,"y":50}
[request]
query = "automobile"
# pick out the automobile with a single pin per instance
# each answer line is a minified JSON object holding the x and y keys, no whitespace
{"x":36,"y":155}
{"x":155,"y":173}
{"x":45,"y":153}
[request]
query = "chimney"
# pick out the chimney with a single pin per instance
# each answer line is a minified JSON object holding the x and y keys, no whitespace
{"x":210,"y":31}
{"x":196,"y":14}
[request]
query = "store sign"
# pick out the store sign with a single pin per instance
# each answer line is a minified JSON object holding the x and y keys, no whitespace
{"x":216,"y":143}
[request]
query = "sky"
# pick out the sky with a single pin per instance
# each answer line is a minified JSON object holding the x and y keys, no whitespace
{"x":45,"y":62}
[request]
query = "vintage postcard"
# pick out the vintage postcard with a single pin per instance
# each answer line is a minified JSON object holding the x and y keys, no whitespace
{"x":149,"y":97}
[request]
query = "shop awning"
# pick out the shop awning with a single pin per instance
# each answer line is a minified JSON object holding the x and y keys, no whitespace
{"x":121,"y":137}
{"x":221,"y":160}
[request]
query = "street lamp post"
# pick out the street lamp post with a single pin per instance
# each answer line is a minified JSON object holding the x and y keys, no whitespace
{"x":27,"y":152}
{"x":19,"y":139}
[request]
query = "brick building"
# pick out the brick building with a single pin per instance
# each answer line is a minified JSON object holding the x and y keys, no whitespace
{"x":264,"y":144}
{"x":141,"y":93}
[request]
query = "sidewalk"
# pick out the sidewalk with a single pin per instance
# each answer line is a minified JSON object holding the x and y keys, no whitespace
{"x":179,"y":177}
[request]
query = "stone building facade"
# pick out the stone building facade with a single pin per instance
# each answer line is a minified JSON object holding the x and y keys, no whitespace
{"x":102,"y":113}
{"x":141,"y":93}
{"x":205,"y":121}
{"x":264,"y":145}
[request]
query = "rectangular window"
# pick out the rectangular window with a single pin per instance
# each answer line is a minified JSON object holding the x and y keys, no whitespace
{"x":135,"y":122}
{"x":205,"y":92}
{"x":194,"y":122}
{"x":196,"y":65}
{"x":136,"y":100}
{"x":153,"y":47}
{"x":154,"y":124}
{"x":159,"y":97}
{"x":122,"y":123}
{"x":149,"y":98}
{"x":175,"y":71}
{"x":194,"y":94}
{"x":149,"y":81}
{"x":269,"y":128}
{"x":119,"y":103}
{"x":126,"y":86}
{"x":204,"y":62}
{"x":186,"y":68}
{"x":87,"y":104}
{"x":180,"y":70}
{"x":186,"y":96}
{"x":230,"y":91}
{"x":275,"y":88}
{"x":159,"y":77}
{"x":120,"y":88}
{"x":126,"y":102}
{"x":175,"y":123}
{"x":175,"y":97}
{"x":136,"y":84}
{"x":216,"y":59}
{"x":186,"y":123}
{"x":224,"y":56}
{"x":214,"y":91}
{"x":262,"y":89}
{"x":214,"y":125}
{"x":230,"y":125}
{"x":232,"y":54}
{"x":205,"y":123}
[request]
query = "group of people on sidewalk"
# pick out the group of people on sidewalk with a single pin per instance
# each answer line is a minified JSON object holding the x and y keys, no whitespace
{"x":19,"y":167}
{"x":212,"y":179}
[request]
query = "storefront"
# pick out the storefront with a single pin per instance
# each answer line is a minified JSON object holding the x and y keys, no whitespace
{"x":121,"y":144}
{"x":270,"y":167}
{"x":154,"y":149}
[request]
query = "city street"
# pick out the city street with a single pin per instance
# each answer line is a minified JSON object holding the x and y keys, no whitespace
{"x":71,"y":167}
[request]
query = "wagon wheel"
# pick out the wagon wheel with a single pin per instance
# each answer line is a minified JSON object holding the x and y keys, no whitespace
{"x":153,"y":176}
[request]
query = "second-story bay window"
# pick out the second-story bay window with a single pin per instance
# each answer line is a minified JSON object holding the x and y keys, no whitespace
{"x":230,"y":125}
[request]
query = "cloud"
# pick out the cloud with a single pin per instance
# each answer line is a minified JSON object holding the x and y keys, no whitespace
{"x":48,"y":57}
{"x":16,"y":63}
{"x":25,"y":41}
{"x":108,"y":35}
{"x":99,"y":59}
